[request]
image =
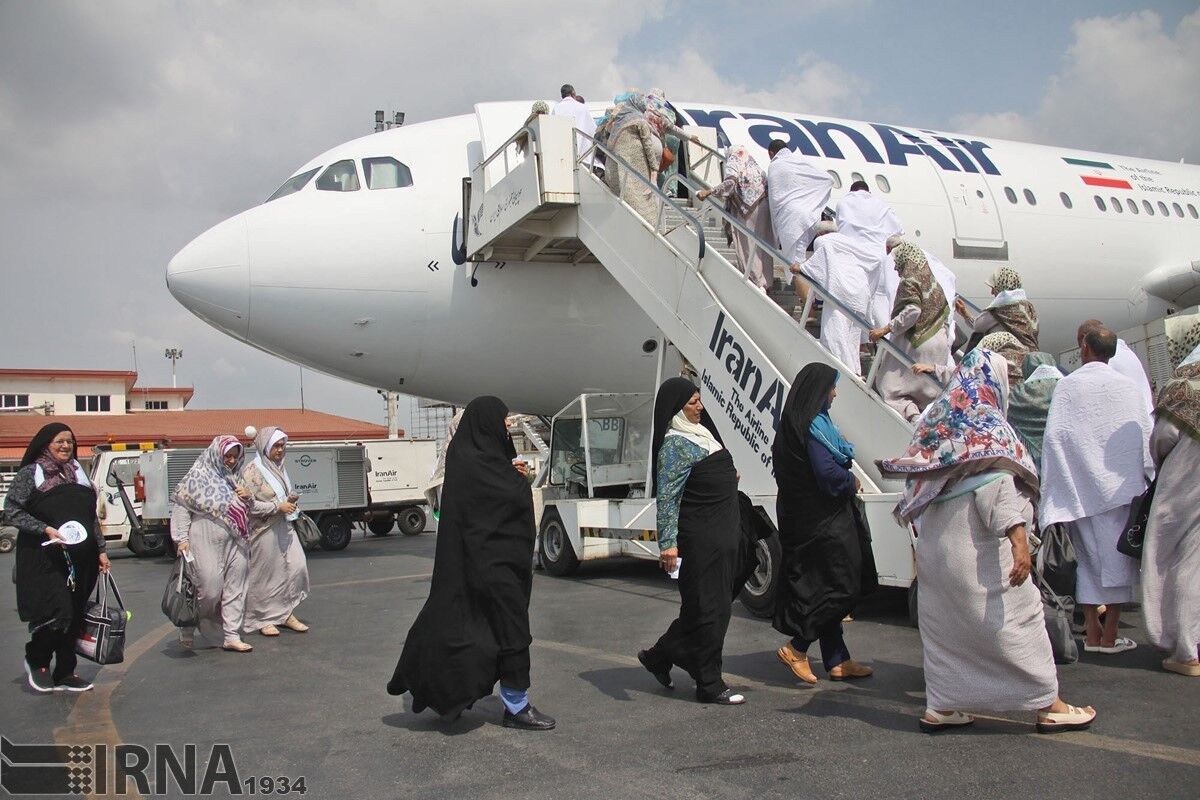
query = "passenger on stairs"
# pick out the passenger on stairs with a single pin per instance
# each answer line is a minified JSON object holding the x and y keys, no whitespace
{"x":744,"y":191}
{"x":797,"y":192}
{"x":572,"y":106}
{"x":865,"y":218}
{"x":917,"y":329}
{"x":538,"y":108}
{"x":844,"y":267}
{"x":630,"y":136}
{"x":665,"y":122}
{"x":1010,"y":310}
{"x":1014,"y":353}
{"x":827,"y":561}
{"x":885,"y":294}
{"x":699,"y":538}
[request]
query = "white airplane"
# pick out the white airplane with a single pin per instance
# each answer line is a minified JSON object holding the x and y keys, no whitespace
{"x":348,"y":268}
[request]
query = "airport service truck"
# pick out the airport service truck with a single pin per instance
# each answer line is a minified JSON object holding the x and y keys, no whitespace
{"x":594,"y":503}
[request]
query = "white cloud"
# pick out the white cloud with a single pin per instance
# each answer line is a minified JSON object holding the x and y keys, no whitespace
{"x":1127,"y":86}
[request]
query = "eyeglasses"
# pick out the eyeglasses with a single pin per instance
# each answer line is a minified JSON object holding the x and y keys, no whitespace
{"x":63,"y":442}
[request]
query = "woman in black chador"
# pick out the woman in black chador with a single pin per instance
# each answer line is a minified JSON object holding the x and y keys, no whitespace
{"x":474,"y":628}
{"x":827,"y":560}
{"x":53,"y":582}
{"x":699,"y":524}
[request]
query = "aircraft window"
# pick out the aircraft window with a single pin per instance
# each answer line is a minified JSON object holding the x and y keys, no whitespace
{"x":1133,"y":209}
{"x":837,"y":179}
{"x":1192,"y":211}
{"x":386,"y":172}
{"x":1029,"y":198}
{"x":1178,"y":210}
{"x":855,"y":177}
{"x":1100,"y":203}
{"x":298,"y":182}
{"x":1116,"y":204}
{"x":339,"y":177}
{"x":1162,"y":209}
{"x":1149,"y":208}
{"x":1010,"y":194}
{"x":1066,"y":199}
{"x":884,"y":185}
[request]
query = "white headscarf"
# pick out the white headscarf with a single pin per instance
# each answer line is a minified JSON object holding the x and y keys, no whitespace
{"x":694,"y":432}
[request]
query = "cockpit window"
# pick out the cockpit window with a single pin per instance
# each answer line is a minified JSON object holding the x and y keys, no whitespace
{"x":385,"y":172}
{"x":339,"y":177}
{"x":293,"y":184}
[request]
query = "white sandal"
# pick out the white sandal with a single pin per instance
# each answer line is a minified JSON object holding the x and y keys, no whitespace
{"x":955,"y":719}
{"x":1120,"y":645}
{"x":1073,"y":719}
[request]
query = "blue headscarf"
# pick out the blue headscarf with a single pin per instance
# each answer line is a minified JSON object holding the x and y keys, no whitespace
{"x":824,"y":431}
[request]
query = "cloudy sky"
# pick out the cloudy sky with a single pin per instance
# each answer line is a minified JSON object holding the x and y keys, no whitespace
{"x":126,"y":128}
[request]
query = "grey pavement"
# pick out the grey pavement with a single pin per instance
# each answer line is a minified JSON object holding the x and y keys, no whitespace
{"x":314,"y":704}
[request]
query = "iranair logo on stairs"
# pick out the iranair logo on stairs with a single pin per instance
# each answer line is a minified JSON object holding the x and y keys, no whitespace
{"x":738,"y":390}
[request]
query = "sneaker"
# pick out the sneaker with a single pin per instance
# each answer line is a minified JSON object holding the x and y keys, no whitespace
{"x":72,"y":683}
{"x":39,"y":679}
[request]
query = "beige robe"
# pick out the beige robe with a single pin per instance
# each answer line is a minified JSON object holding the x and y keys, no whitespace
{"x":984,"y":642}
{"x":1171,"y":554}
{"x":277,"y":579}
{"x":638,"y":145}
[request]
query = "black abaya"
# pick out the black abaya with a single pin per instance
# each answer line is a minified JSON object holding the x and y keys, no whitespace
{"x":827,"y":563}
{"x":474,"y":627}
{"x":712,"y":548}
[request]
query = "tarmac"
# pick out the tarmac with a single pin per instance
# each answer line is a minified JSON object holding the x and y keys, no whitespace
{"x":313,"y":705}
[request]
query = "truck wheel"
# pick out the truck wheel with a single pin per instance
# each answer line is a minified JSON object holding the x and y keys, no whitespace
{"x":912,"y":603}
{"x":335,"y":531}
{"x":148,"y":545}
{"x":558,"y":557}
{"x":412,"y":520}
{"x":758,"y":595}
{"x":7,"y":543}
{"x":381,"y":524}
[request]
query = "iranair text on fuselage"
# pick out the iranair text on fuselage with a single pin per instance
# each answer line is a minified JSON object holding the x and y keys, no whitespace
{"x":875,"y":142}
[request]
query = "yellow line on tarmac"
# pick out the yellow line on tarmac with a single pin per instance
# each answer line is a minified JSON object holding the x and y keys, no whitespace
{"x":1160,"y":752}
{"x":91,"y":721}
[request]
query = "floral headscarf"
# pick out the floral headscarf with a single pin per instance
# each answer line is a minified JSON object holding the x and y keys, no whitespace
{"x":919,"y":288}
{"x":1014,"y":353}
{"x":1179,"y":399}
{"x":210,"y":488}
{"x":751,"y":180}
{"x":961,"y":434}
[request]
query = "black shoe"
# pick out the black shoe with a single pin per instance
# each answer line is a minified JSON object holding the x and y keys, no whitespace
{"x":528,"y":719}
{"x":726,"y":698}
{"x":72,"y":683}
{"x":39,"y":679}
{"x":663,"y":676}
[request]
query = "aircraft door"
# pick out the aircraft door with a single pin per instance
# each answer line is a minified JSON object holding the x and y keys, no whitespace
{"x":978,"y":230}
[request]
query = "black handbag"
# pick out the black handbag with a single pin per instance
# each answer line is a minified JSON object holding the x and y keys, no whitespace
{"x":1058,"y":611}
{"x":102,"y":635}
{"x":307,"y":531}
{"x":1134,"y":534}
{"x":1055,"y":559}
{"x":179,"y":597}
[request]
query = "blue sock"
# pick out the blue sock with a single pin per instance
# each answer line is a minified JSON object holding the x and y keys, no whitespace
{"x":514,"y":700}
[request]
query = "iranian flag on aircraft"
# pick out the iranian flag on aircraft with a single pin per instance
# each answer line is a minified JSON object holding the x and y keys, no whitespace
{"x":1102,"y":173}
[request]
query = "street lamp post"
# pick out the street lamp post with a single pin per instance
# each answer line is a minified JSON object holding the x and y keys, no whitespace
{"x":173,"y":353}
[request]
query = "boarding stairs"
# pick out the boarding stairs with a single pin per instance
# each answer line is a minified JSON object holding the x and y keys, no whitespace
{"x":744,"y":348}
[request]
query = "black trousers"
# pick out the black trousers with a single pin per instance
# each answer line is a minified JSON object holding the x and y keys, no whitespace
{"x":513,"y":669}
{"x":46,"y":643}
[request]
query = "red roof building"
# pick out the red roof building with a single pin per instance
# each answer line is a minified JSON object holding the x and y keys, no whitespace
{"x":182,"y":428}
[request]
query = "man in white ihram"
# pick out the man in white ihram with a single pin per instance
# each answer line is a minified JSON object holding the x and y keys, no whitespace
{"x":1126,"y":362}
{"x":570,"y":106}
{"x":797,"y":192}
{"x":845,"y":268}
{"x":1095,"y":461}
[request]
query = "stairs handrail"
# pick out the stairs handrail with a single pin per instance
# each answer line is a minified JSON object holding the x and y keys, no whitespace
{"x":610,"y":156}
{"x":777,"y":255}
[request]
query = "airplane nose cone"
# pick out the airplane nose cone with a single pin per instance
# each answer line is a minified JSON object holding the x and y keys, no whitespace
{"x":210,"y":276}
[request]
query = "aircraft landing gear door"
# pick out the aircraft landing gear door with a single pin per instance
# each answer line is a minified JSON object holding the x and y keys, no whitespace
{"x":978,"y":232}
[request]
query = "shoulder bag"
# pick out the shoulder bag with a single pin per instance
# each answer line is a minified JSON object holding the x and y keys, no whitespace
{"x":1134,"y":534}
{"x":179,"y":597}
